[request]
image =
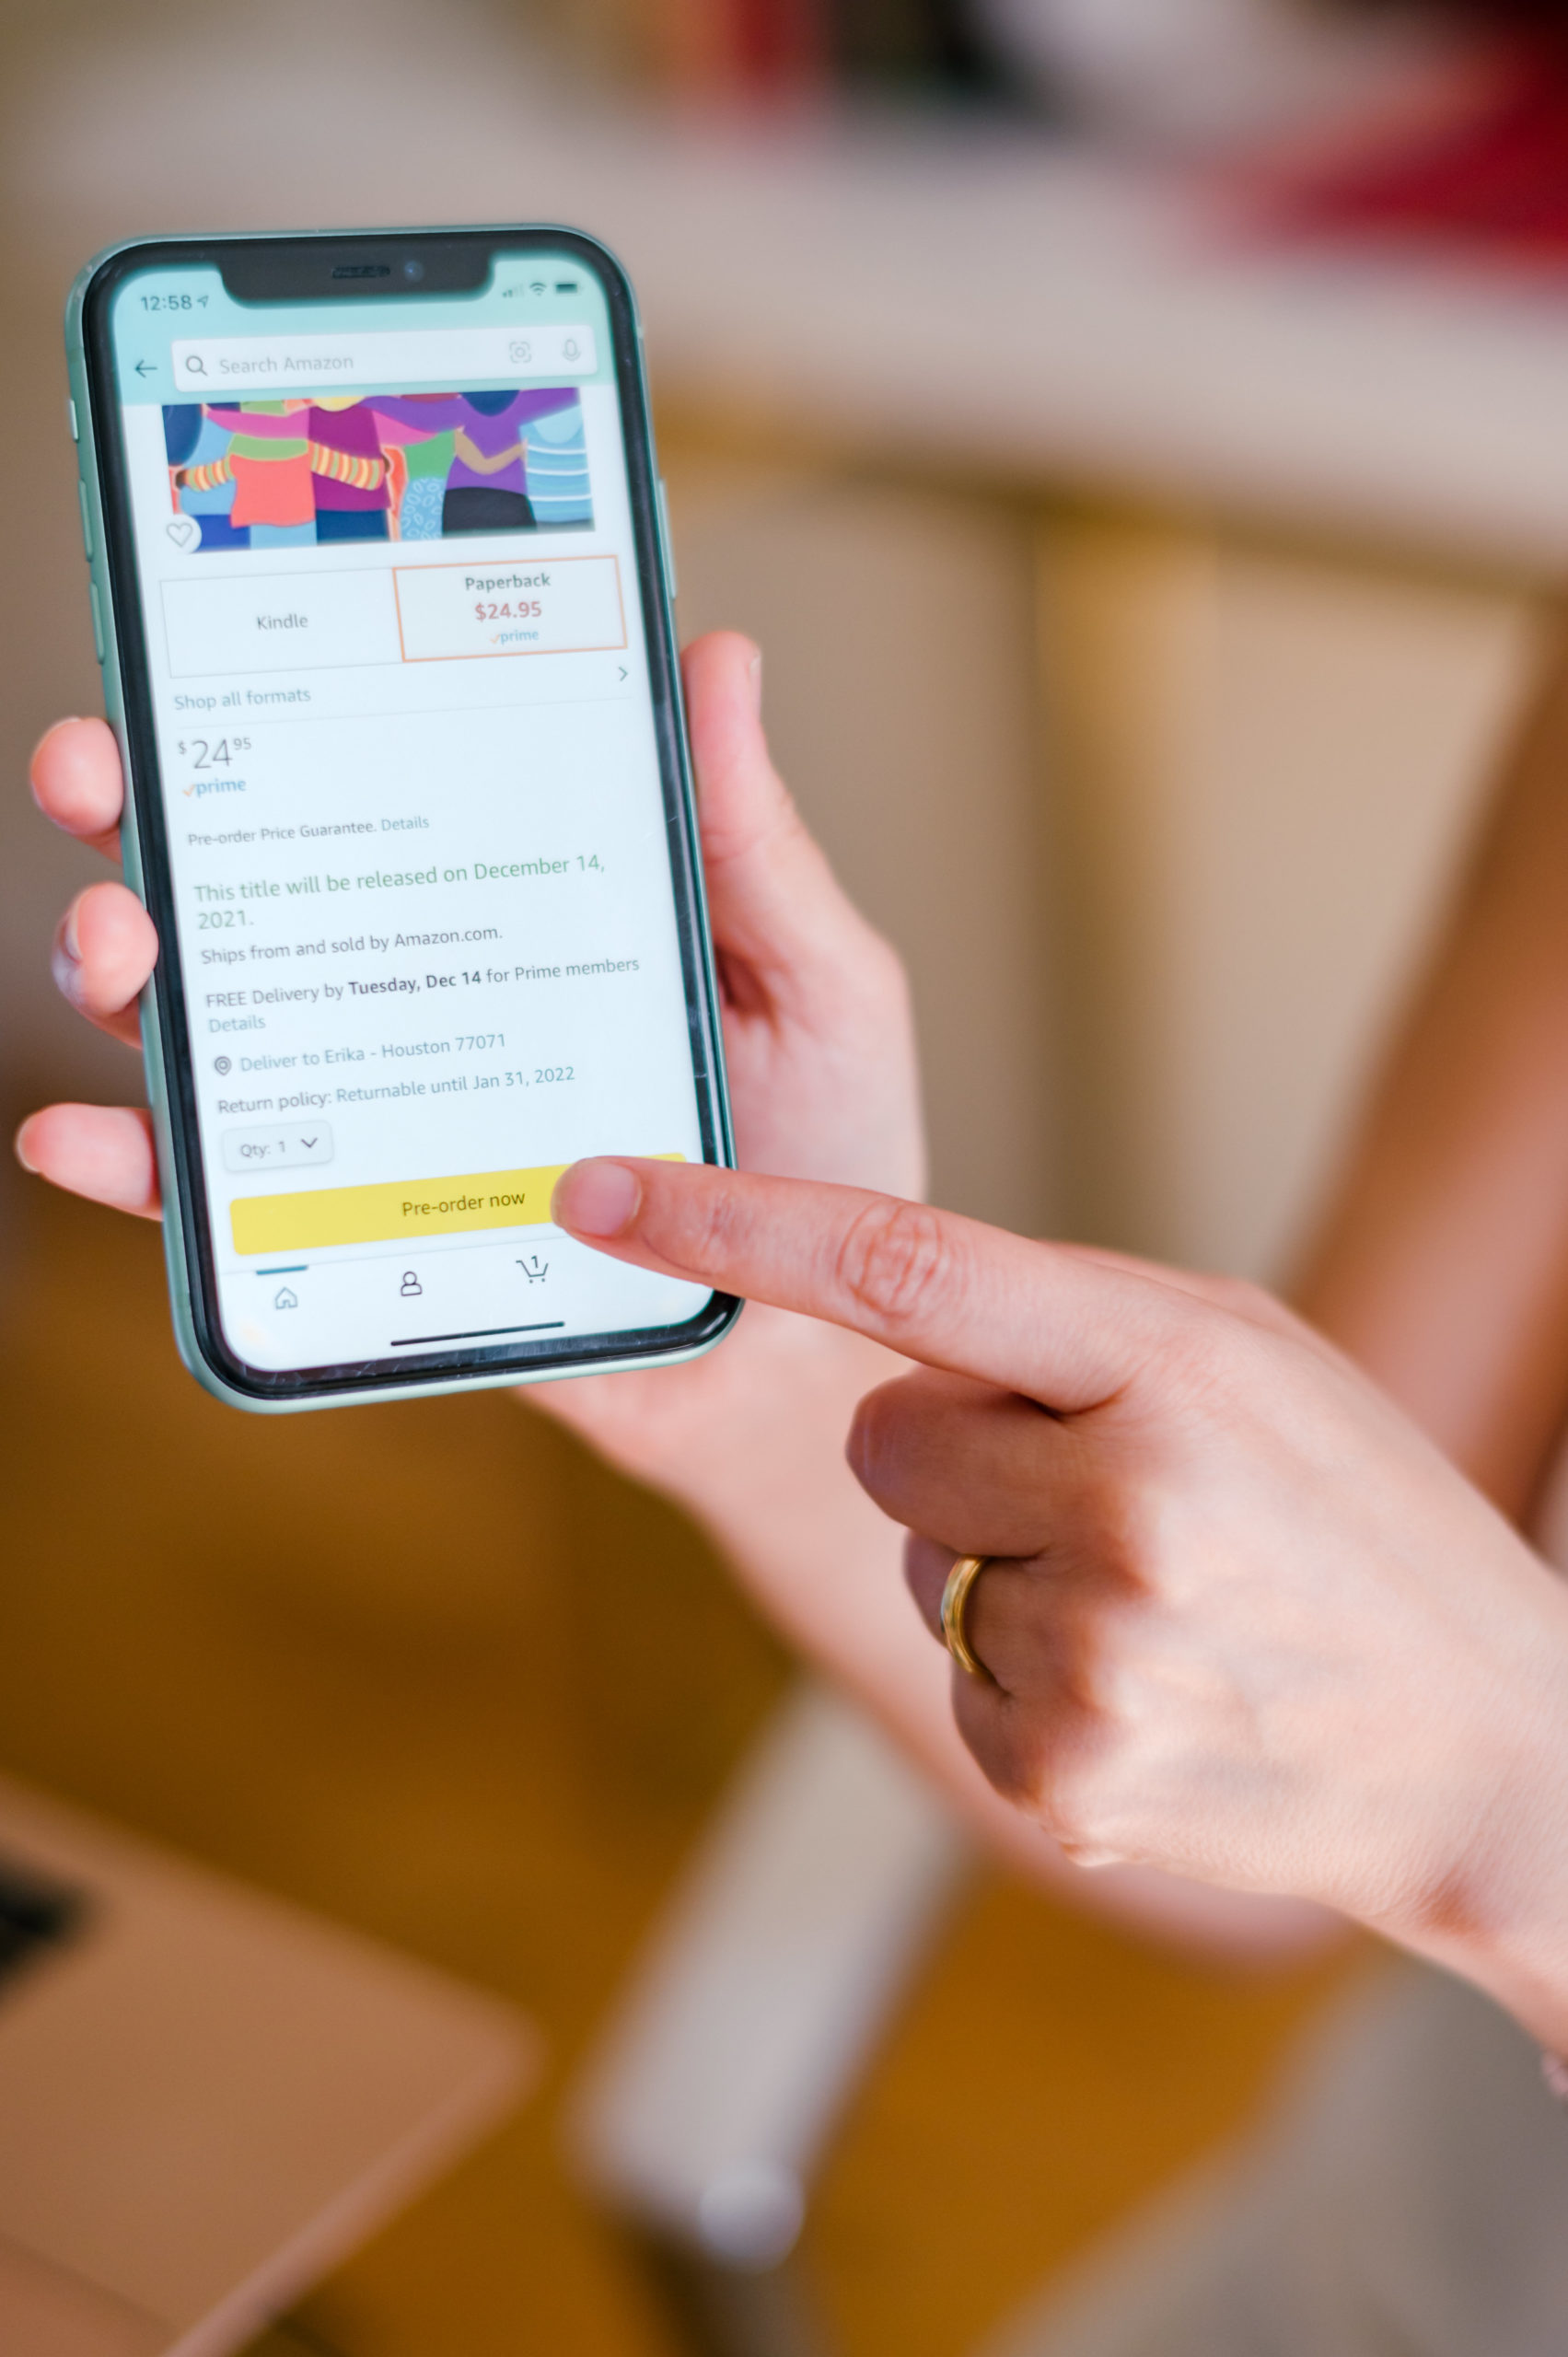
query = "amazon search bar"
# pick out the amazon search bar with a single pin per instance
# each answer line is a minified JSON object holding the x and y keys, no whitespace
{"x":228,"y":367}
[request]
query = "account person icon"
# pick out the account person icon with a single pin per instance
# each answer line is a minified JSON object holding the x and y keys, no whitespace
{"x":409,"y":1284}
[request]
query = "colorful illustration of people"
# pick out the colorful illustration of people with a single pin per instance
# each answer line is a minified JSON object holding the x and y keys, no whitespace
{"x":378,"y":467}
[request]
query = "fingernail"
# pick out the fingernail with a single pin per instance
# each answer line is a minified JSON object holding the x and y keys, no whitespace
{"x":596,"y":1198}
{"x":20,"y":1150}
{"x":754,"y":673}
{"x":65,"y":959}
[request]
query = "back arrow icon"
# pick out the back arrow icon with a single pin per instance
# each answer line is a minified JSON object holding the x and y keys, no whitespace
{"x":146,"y":367}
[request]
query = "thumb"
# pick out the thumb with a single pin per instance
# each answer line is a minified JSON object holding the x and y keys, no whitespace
{"x":1057,"y":1324}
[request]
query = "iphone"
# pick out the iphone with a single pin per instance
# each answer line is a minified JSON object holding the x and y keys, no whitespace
{"x":381,"y":589}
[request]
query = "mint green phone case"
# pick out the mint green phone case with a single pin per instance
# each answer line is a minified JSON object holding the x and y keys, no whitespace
{"x":93,"y":530}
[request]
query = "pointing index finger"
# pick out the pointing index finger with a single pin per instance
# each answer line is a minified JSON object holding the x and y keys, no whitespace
{"x":1041,"y":1318}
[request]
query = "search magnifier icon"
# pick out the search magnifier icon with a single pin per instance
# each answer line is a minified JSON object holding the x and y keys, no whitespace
{"x":195,"y":365}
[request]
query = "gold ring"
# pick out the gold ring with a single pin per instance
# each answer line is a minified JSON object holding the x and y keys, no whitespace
{"x":954,"y":1595}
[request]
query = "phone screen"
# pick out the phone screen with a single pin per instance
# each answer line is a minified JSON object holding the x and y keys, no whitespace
{"x":432,"y":935}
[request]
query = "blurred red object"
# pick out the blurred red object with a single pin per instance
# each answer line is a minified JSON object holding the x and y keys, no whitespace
{"x":731,"y":51}
{"x":1478,"y":158}
{"x":775,"y":45}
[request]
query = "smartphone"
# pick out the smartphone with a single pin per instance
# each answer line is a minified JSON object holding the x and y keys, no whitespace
{"x":381,"y":589}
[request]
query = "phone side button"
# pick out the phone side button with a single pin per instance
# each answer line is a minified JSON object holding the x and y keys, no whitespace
{"x":71,"y":418}
{"x":98,"y":619}
{"x":87,"y":523}
{"x":668,"y":543}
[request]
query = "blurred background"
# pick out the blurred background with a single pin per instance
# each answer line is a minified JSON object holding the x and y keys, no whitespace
{"x":1134,"y":430}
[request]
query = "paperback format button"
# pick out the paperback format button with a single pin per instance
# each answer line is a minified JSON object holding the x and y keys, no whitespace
{"x":551,"y":605}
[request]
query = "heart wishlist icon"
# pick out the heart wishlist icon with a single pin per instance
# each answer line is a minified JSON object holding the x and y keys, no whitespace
{"x":184,"y":532}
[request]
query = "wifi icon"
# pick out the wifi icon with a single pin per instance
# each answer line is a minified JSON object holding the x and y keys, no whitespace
{"x":536,"y":286}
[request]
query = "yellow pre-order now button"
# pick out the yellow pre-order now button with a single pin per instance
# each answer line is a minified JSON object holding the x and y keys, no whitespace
{"x":409,"y":1207}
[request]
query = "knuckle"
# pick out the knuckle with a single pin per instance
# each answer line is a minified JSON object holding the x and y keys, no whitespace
{"x":896,"y":1262}
{"x":864,"y":1447}
{"x":689,"y":1225}
{"x":1071,"y":1795}
{"x":708,"y":1224}
{"x":881,"y":1424}
{"x":1117,"y":1526}
{"x":1066,"y":1807}
{"x":1010,"y":1750}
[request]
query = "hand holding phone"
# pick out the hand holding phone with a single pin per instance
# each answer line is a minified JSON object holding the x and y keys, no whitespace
{"x":822,"y":1071}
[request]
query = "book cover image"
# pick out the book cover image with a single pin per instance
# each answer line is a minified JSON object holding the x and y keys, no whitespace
{"x":412,"y":466}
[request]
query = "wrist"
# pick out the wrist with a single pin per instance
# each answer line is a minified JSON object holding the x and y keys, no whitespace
{"x":1499,"y":1917}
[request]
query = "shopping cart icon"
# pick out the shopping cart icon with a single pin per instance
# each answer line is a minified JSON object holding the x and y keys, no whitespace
{"x":534,"y":1268}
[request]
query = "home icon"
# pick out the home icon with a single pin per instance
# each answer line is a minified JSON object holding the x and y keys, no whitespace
{"x":285,"y":1298}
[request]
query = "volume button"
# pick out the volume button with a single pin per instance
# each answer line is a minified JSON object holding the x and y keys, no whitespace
{"x":98,"y":619}
{"x":87,"y":523}
{"x":71,"y":418}
{"x":668,"y":543}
